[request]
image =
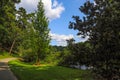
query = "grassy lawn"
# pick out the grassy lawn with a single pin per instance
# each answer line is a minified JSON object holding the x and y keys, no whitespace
{"x":47,"y":72}
{"x":5,"y":55}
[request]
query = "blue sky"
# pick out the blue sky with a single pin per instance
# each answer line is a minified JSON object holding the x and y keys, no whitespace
{"x":60,"y":25}
{"x":59,"y":12}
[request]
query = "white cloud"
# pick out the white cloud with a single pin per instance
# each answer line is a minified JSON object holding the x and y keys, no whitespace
{"x":82,"y":39}
{"x":29,"y":5}
{"x":52,"y":10}
{"x":61,"y":39}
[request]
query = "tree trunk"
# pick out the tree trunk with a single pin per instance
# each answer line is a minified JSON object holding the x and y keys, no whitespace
{"x":12,"y":46}
{"x":37,"y":60}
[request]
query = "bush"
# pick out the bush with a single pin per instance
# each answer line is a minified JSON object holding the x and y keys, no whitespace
{"x":53,"y":58}
{"x":27,"y":55}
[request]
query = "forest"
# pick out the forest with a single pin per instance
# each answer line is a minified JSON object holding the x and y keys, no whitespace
{"x":26,"y":36}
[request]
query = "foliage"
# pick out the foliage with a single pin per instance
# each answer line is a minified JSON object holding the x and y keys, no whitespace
{"x":8,"y":27}
{"x":78,"y":53}
{"x":42,"y":33}
{"x":55,"y":55}
{"x":25,"y":71}
{"x":53,"y":58}
{"x":25,"y":33}
{"x":101,"y":24}
{"x":58,"y":48}
{"x":35,"y":42}
{"x":27,"y":40}
{"x":27,"y":48}
{"x":58,"y":55}
{"x":4,"y":55}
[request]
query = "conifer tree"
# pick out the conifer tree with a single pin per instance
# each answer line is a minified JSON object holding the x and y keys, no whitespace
{"x":42,"y":32}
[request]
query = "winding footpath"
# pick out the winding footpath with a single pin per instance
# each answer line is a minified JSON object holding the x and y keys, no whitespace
{"x":5,"y":72}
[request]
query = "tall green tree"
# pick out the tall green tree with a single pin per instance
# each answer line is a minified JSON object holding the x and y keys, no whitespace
{"x":27,"y":41}
{"x":7,"y":23}
{"x":28,"y":47}
{"x":35,"y":40}
{"x":101,"y":24}
{"x":42,"y":32}
{"x":23,"y":24}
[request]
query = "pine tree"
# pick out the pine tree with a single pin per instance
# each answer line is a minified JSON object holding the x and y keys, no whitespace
{"x":42,"y":32}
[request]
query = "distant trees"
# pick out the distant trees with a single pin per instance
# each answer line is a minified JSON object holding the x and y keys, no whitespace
{"x":101,"y":24}
{"x":79,"y":53}
{"x":58,"y":55}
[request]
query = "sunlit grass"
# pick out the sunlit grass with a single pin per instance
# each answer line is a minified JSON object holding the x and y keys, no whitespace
{"x":5,"y":55}
{"x":26,"y":71}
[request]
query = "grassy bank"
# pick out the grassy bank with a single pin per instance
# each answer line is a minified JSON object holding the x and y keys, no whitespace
{"x":5,"y":55}
{"x":47,"y":72}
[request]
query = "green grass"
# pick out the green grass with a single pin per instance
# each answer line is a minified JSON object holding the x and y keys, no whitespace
{"x":26,"y":71}
{"x":5,"y":55}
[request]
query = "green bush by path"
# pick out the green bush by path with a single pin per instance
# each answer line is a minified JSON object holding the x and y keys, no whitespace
{"x":26,"y":71}
{"x":4,"y":55}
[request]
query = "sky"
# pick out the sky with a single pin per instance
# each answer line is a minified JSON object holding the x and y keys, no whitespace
{"x":59,"y":13}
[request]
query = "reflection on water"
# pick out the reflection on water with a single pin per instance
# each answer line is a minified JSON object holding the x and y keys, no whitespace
{"x":78,"y":66}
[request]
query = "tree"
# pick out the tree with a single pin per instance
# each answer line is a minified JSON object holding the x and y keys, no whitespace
{"x":42,"y":32}
{"x":35,"y":40}
{"x":56,"y":55}
{"x":78,"y":53}
{"x":101,"y":24}
{"x":28,"y":47}
{"x":7,"y":23}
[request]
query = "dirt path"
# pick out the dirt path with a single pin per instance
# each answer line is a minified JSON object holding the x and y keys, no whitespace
{"x":5,"y":73}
